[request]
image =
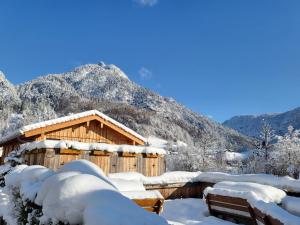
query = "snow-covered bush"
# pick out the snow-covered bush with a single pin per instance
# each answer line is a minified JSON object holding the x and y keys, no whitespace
{"x":79,"y":193}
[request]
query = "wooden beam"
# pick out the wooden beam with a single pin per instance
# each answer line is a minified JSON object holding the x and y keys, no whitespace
{"x":127,"y":154}
{"x":70,"y":151}
{"x":100,"y":153}
{"x":148,"y":155}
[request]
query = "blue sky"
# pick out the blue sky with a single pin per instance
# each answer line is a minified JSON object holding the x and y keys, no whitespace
{"x":218,"y":57}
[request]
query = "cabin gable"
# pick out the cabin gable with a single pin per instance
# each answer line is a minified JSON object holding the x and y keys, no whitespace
{"x":91,"y":131}
{"x":87,"y":129}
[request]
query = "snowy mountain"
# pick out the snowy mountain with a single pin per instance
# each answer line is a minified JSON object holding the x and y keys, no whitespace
{"x":108,"y":89}
{"x":250,"y":125}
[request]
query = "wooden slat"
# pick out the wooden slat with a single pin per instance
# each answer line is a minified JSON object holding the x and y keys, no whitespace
{"x":221,"y":198}
{"x":234,"y":216}
{"x":230,"y":206}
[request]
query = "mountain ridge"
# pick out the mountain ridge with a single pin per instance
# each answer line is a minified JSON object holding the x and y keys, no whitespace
{"x":250,"y":124}
{"x":108,"y":89}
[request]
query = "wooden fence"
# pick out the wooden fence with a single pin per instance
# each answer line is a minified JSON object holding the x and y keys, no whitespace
{"x":181,"y":190}
{"x":189,"y":190}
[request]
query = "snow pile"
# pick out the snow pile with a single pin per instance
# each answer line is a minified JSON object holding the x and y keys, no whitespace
{"x":126,"y":185}
{"x":292,"y":205}
{"x":65,"y":144}
{"x":116,"y":210}
{"x":285,"y":183}
{"x":79,"y":193}
{"x":84,"y":167}
{"x":28,"y":179}
{"x":262,"y":192}
{"x":75,"y":202}
{"x":166,"y":178}
{"x":67,"y":201}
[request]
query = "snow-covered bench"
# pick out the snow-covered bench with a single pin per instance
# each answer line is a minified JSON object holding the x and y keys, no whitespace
{"x":237,"y":200}
{"x":262,"y":218}
{"x":149,"y":200}
{"x":230,"y":208}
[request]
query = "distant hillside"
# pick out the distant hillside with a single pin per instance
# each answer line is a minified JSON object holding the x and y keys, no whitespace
{"x":250,"y":125}
{"x":108,"y":89}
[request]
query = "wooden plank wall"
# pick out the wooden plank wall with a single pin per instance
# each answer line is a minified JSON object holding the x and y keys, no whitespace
{"x":181,"y":190}
{"x":89,"y":132}
{"x":153,"y":165}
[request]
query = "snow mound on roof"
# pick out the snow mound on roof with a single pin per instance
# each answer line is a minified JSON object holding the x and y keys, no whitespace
{"x":76,"y":145}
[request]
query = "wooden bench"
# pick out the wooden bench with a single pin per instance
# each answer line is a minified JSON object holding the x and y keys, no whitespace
{"x":151,"y":205}
{"x":237,"y":210}
{"x":151,"y":201}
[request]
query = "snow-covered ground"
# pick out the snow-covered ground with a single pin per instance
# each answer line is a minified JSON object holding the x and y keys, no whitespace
{"x":80,"y":193}
{"x":190,"y":211}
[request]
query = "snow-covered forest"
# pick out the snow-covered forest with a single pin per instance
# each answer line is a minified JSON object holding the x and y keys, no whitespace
{"x":272,"y":154}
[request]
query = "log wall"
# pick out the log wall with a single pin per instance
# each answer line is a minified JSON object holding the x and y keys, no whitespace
{"x":149,"y":165}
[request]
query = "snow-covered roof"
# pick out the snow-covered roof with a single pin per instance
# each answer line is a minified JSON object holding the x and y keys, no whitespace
{"x":34,"y":126}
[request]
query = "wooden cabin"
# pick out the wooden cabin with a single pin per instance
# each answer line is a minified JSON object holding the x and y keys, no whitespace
{"x":88,"y":135}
